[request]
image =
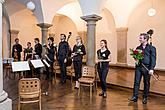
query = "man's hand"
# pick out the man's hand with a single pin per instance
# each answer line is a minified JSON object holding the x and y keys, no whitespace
{"x":65,"y":60}
{"x":151,"y":72}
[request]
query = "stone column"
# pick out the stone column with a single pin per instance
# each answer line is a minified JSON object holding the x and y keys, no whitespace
{"x":122,"y":45}
{"x":44,"y":29}
{"x":5,"y":102}
{"x":14,"y":35}
{"x":91,"y":32}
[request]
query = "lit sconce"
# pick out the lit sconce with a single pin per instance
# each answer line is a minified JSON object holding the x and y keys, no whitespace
{"x":31,"y":6}
{"x":151,"y":12}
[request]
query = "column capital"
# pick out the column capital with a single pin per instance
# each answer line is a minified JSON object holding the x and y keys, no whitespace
{"x":122,"y":29}
{"x":12,"y":31}
{"x":44,"y":25}
{"x":92,"y":17}
{"x":2,"y":1}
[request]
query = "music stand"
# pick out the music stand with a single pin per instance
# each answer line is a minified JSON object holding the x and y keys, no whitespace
{"x":20,"y":66}
{"x":37,"y":63}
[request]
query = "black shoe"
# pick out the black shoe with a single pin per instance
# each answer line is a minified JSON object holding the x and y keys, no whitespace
{"x":62,"y":82}
{"x":144,"y":101}
{"x":105,"y":95}
{"x":134,"y":99}
{"x":76,"y":88}
{"x":101,"y":94}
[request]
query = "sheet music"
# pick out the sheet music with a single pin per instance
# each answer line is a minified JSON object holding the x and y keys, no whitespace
{"x":20,"y":66}
{"x":37,"y":63}
{"x":46,"y":63}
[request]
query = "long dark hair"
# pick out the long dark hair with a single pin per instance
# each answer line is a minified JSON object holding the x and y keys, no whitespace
{"x":103,"y":40}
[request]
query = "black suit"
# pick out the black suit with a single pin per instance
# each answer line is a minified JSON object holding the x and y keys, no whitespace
{"x":63,"y":51}
{"x":149,"y":61}
{"x":38,"y":49}
{"x":18,"y":47}
{"x":50,"y":53}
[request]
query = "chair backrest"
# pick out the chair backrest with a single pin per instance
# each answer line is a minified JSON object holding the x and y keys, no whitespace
{"x":29,"y":85}
{"x":88,"y":71}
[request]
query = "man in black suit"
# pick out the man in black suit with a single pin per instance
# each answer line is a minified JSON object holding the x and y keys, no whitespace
{"x":16,"y":50}
{"x":63,"y":51}
{"x":149,"y":61}
{"x":37,"y":48}
{"x":37,"y":54}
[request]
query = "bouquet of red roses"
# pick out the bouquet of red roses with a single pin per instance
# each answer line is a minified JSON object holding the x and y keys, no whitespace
{"x":137,"y":54}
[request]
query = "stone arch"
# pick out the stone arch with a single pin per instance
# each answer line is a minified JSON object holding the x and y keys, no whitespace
{"x":106,"y":29}
{"x":63,"y":24}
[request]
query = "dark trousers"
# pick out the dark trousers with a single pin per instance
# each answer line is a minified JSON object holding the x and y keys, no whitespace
{"x":139,"y":72}
{"x":37,"y":71}
{"x":77,"y":69}
{"x":49,"y":70}
{"x":62,"y":69}
{"x":103,"y":71}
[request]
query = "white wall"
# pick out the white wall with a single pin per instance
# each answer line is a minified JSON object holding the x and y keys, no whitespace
{"x":106,"y":29}
{"x":139,"y":22}
{"x":73,"y":11}
{"x":121,"y":10}
{"x":63,"y":25}
{"x":25,"y":22}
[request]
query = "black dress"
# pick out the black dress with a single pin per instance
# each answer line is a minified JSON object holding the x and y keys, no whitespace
{"x":77,"y":59}
{"x":50,"y":53}
{"x":103,"y":67}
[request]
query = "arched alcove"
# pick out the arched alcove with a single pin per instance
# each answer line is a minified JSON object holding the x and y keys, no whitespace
{"x":63,"y":24}
{"x":106,"y":29}
{"x":139,"y":22}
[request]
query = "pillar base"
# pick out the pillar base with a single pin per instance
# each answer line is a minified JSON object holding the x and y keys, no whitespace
{"x":6,"y":105}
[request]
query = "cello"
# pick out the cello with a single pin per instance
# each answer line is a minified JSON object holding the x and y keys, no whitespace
{"x":69,"y":59}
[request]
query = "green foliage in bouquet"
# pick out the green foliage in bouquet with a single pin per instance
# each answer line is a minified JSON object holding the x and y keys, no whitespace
{"x":137,"y":54}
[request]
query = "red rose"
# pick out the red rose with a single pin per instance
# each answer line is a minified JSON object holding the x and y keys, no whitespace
{"x":135,"y":52}
{"x":142,"y":52}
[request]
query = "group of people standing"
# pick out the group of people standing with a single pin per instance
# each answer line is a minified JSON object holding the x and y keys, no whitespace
{"x":103,"y":59}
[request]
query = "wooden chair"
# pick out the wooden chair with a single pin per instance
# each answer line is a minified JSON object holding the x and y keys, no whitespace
{"x":29,"y":91}
{"x":88,"y":78}
{"x":70,"y":72}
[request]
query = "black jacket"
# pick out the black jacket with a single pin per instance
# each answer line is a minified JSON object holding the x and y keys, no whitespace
{"x":51,"y":52}
{"x":18,"y":47}
{"x":38,"y":49}
{"x":80,"y":51}
{"x":149,"y":56}
{"x":63,"y":50}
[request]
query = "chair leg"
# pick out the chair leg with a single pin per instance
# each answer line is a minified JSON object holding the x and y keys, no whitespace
{"x":79,"y":89}
{"x":71,"y":78}
{"x":90,"y":90}
{"x":19,"y":103}
{"x":40,"y":102}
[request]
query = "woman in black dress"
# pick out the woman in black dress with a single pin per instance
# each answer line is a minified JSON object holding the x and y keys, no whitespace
{"x":103,"y":60}
{"x":78,"y":52}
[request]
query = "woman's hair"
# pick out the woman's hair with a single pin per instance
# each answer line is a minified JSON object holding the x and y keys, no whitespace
{"x":29,"y":43}
{"x":51,"y":38}
{"x":37,"y":39}
{"x":79,"y":38}
{"x":103,"y":40}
